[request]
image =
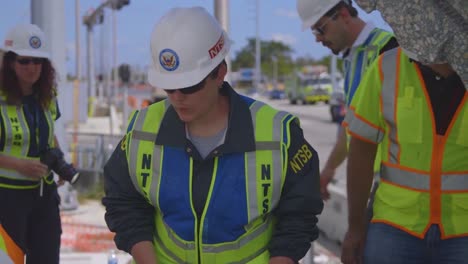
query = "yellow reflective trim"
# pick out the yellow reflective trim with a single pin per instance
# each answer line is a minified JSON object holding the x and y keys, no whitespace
{"x":462,"y":138}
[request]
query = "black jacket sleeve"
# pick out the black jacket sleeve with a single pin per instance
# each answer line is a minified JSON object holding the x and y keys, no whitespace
{"x":300,"y":201}
{"x":128,"y":213}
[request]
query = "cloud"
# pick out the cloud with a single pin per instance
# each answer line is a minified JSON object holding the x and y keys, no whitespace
{"x":285,"y":38}
{"x":286,"y":13}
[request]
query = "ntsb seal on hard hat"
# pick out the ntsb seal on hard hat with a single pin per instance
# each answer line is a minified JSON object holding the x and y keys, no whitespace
{"x":169,"y":59}
{"x":35,"y":42}
{"x":186,"y":45}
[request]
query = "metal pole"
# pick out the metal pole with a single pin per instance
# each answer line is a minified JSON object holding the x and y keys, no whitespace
{"x":113,"y":69}
{"x":221,"y":10}
{"x":257,"y":47}
{"x":90,"y":61}
{"x":76,"y":83}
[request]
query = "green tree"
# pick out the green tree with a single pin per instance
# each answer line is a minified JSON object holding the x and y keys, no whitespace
{"x":304,"y":61}
{"x":245,"y":58}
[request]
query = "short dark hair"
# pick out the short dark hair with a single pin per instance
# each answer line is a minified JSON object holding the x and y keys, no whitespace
{"x":45,"y":86}
{"x":343,"y":4}
{"x":212,"y":75}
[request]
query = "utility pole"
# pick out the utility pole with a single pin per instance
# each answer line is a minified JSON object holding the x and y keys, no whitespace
{"x":221,"y":10}
{"x":258,"y":72}
{"x":76,"y":83}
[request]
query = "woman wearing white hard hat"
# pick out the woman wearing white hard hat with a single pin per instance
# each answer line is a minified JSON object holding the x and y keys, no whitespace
{"x":29,"y":209}
{"x":209,"y":176}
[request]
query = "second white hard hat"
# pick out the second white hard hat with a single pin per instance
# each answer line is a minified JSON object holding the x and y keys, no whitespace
{"x":186,"y":45}
{"x":26,"y":40}
{"x":311,"y":11}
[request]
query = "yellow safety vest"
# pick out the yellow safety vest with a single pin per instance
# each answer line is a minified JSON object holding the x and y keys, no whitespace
{"x":17,"y":138}
{"x":262,"y":168}
{"x":424,"y":175}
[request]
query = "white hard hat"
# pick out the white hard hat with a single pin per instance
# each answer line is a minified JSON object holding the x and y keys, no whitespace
{"x":26,"y":40}
{"x":311,"y":11}
{"x":186,"y":45}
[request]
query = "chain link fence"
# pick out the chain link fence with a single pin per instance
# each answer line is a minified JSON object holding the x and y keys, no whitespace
{"x":89,"y":156}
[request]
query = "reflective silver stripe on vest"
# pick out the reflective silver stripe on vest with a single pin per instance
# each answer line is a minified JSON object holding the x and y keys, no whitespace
{"x":163,"y":247}
{"x":275,"y":146}
{"x":403,"y":178}
{"x":180,"y":244}
{"x":142,"y":135}
{"x":154,"y":193}
{"x":134,"y":142}
{"x":454,"y":182}
{"x":389,"y":67}
{"x":241,"y":242}
{"x":362,"y":128}
{"x":251,"y":169}
{"x":12,"y":174}
{"x":421,"y":181}
{"x":277,"y":157}
{"x":267,"y":145}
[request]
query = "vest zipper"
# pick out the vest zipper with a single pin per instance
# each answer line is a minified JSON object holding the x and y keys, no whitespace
{"x":435,"y":181}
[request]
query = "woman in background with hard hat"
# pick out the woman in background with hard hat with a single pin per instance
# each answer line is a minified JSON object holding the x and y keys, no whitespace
{"x":29,"y":209}
{"x":209,"y":176}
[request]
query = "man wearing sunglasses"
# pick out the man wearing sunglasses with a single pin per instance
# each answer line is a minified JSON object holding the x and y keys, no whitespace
{"x":208,"y":175}
{"x":336,"y":24}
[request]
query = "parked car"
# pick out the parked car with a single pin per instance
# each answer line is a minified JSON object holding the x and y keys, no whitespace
{"x":337,"y":106}
{"x":277,"y":94}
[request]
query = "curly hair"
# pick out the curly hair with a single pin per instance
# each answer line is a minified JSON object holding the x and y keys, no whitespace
{"x":44,"y":87}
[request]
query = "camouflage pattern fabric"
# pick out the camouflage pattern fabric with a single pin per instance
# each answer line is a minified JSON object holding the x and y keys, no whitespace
{"x":430,"y":31}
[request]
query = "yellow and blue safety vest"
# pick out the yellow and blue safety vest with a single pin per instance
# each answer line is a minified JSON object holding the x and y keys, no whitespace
{"x":237,"y":222}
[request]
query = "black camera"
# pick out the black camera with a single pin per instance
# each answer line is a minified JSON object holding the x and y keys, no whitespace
{"x":53,"y":158}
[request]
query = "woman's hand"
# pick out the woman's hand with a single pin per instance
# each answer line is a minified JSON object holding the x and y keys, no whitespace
{"x":31,"y":168}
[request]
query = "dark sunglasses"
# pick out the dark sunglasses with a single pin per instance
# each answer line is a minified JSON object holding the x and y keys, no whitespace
{"x":188,"y":90}
{"x":26,"y":61}
{"x":320,"y":30}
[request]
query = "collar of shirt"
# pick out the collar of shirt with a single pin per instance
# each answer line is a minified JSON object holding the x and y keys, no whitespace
{"x":359,"y":40}
{"x":239,"y":134}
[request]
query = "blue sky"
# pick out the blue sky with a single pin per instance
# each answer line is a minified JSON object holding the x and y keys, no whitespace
{"x":278,"y":21}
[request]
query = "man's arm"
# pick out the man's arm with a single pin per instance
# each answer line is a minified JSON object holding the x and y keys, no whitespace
{"x":337,"y":156}
{"x":360,"y":173}
{"x":128,"y":214}
{"x":300,"y":202}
